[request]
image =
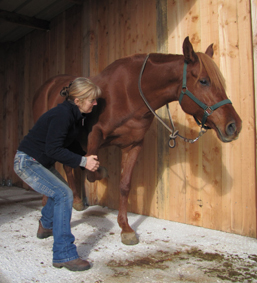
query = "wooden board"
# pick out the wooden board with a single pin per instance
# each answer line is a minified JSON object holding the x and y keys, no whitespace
{"x":254,"y":44}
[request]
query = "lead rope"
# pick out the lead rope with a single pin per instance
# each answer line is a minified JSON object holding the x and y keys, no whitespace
{"x":174,"y":133}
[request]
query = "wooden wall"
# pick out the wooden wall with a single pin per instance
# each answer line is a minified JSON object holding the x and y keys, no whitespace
{"x":218,"y":179}
{"x":208,"y":184}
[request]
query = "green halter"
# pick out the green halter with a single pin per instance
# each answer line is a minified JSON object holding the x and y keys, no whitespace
{"x":208,"y":110}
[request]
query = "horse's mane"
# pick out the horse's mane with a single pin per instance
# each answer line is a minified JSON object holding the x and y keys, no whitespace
{"x":212,"y":70}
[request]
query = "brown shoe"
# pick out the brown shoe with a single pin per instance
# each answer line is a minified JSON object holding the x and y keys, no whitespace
{"x":43,"y":233}
{"x":74,"y":265}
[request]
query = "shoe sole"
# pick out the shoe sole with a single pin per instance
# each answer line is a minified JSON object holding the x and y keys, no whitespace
{"x":60,"y":265}
{"x":43,"y":236}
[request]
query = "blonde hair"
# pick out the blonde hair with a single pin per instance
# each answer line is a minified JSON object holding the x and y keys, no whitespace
{"x":81,"y":88}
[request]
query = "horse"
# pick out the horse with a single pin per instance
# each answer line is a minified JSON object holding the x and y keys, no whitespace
{"x":126,"y":109}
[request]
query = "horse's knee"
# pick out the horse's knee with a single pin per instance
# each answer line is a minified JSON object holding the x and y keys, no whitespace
{"x":125,"y":185}
{"x":124,"y":191}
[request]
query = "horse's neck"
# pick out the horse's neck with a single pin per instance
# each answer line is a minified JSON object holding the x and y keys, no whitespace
{"x":161,"y":80}
{"x":164,"y":79}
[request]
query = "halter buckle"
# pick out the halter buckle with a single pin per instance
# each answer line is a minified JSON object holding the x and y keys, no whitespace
{"x":208,"y":111}
{"x":184,"y":89}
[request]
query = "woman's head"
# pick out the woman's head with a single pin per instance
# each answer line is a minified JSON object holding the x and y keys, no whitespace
{"x":82,"y":92}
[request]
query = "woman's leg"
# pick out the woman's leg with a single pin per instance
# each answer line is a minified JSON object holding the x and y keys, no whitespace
{"x":57,"y":212}
{"x":48,"y":209}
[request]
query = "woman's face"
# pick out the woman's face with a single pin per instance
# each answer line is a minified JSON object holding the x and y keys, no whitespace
{"x":86,"y":105}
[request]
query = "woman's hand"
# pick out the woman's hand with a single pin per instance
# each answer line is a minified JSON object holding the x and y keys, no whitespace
{"x":92,"y":163}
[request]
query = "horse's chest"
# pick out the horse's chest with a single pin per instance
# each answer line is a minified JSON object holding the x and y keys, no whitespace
{"x":129,"y":133}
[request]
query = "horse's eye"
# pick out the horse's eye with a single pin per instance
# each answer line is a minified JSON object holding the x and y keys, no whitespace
{"x":204,"y":82}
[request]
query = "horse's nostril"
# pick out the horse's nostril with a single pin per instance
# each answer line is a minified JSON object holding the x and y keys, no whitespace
{"x":231,"y":129}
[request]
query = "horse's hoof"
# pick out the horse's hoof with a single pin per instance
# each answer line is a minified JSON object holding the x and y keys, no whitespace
{"x":100,"y":174}
{"x":79,"y":206}
{"x":129,"y":238}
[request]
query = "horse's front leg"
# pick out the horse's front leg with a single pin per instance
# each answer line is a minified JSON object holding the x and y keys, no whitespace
{"x":77,"y":201}
{"x":94,"y":142}
{"x":129,"y":157}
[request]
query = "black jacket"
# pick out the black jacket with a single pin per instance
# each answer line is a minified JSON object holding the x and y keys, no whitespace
{"x":53,"y":135}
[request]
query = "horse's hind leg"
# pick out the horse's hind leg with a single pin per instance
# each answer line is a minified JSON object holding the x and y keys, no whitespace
{"x":44,"y":200}
{"x":129,"y":157}
{"x":77,"y":202}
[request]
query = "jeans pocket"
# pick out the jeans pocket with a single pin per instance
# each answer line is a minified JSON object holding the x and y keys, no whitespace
{"x":21,"y":164}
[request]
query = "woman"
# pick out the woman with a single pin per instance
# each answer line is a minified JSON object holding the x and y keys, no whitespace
{"x":47,"y":142}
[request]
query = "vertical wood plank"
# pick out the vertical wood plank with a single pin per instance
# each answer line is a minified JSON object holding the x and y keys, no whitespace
{"x":194,"y":158}
{"x":2,"y":124}
{"x":229,"y":60}
{"x":254,"y":44}
{"x":73,"y":41}
{"x":57,"y":63}
{"x":10,"y":110}
{"x":85,"y":58}
{"x":26,"y":112}
{"x":246,"y":224}
{"x":177,"y":156}
{"x":90,"y":189}
{"x":162,"y":149}
{"x":19,"y":104}
{"x":188,"y":161}
{"x":211,"y":197}
{"x":57,"y":46}
{"x":142,"y":196}
{"x":147,"y":166}
{"x":85,"y":49}
{"x":103,"y":31}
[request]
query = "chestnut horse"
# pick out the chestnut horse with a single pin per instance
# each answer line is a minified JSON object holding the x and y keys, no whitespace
{"x":122,"y":117}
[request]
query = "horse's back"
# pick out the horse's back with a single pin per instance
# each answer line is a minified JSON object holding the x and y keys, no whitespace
{"x":117,"y":109}
{"x":48,"y":95}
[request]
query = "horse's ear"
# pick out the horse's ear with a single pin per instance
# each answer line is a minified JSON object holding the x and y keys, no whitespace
{"x":209,"y":51}
{"x":189,"y":54}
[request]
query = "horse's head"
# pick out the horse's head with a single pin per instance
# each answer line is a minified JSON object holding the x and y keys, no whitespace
{"x":203,"y":94}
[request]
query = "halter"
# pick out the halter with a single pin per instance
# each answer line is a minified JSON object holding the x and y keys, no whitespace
{"x":208,"y":110}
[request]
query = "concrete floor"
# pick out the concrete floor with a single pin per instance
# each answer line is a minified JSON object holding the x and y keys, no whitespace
{"x":167,"y":251}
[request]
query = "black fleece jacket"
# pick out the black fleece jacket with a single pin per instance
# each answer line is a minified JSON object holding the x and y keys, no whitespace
{"x":53,"y":137}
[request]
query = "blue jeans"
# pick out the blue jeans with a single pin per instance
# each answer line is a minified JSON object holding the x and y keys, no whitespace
{"x":56,"y":214}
